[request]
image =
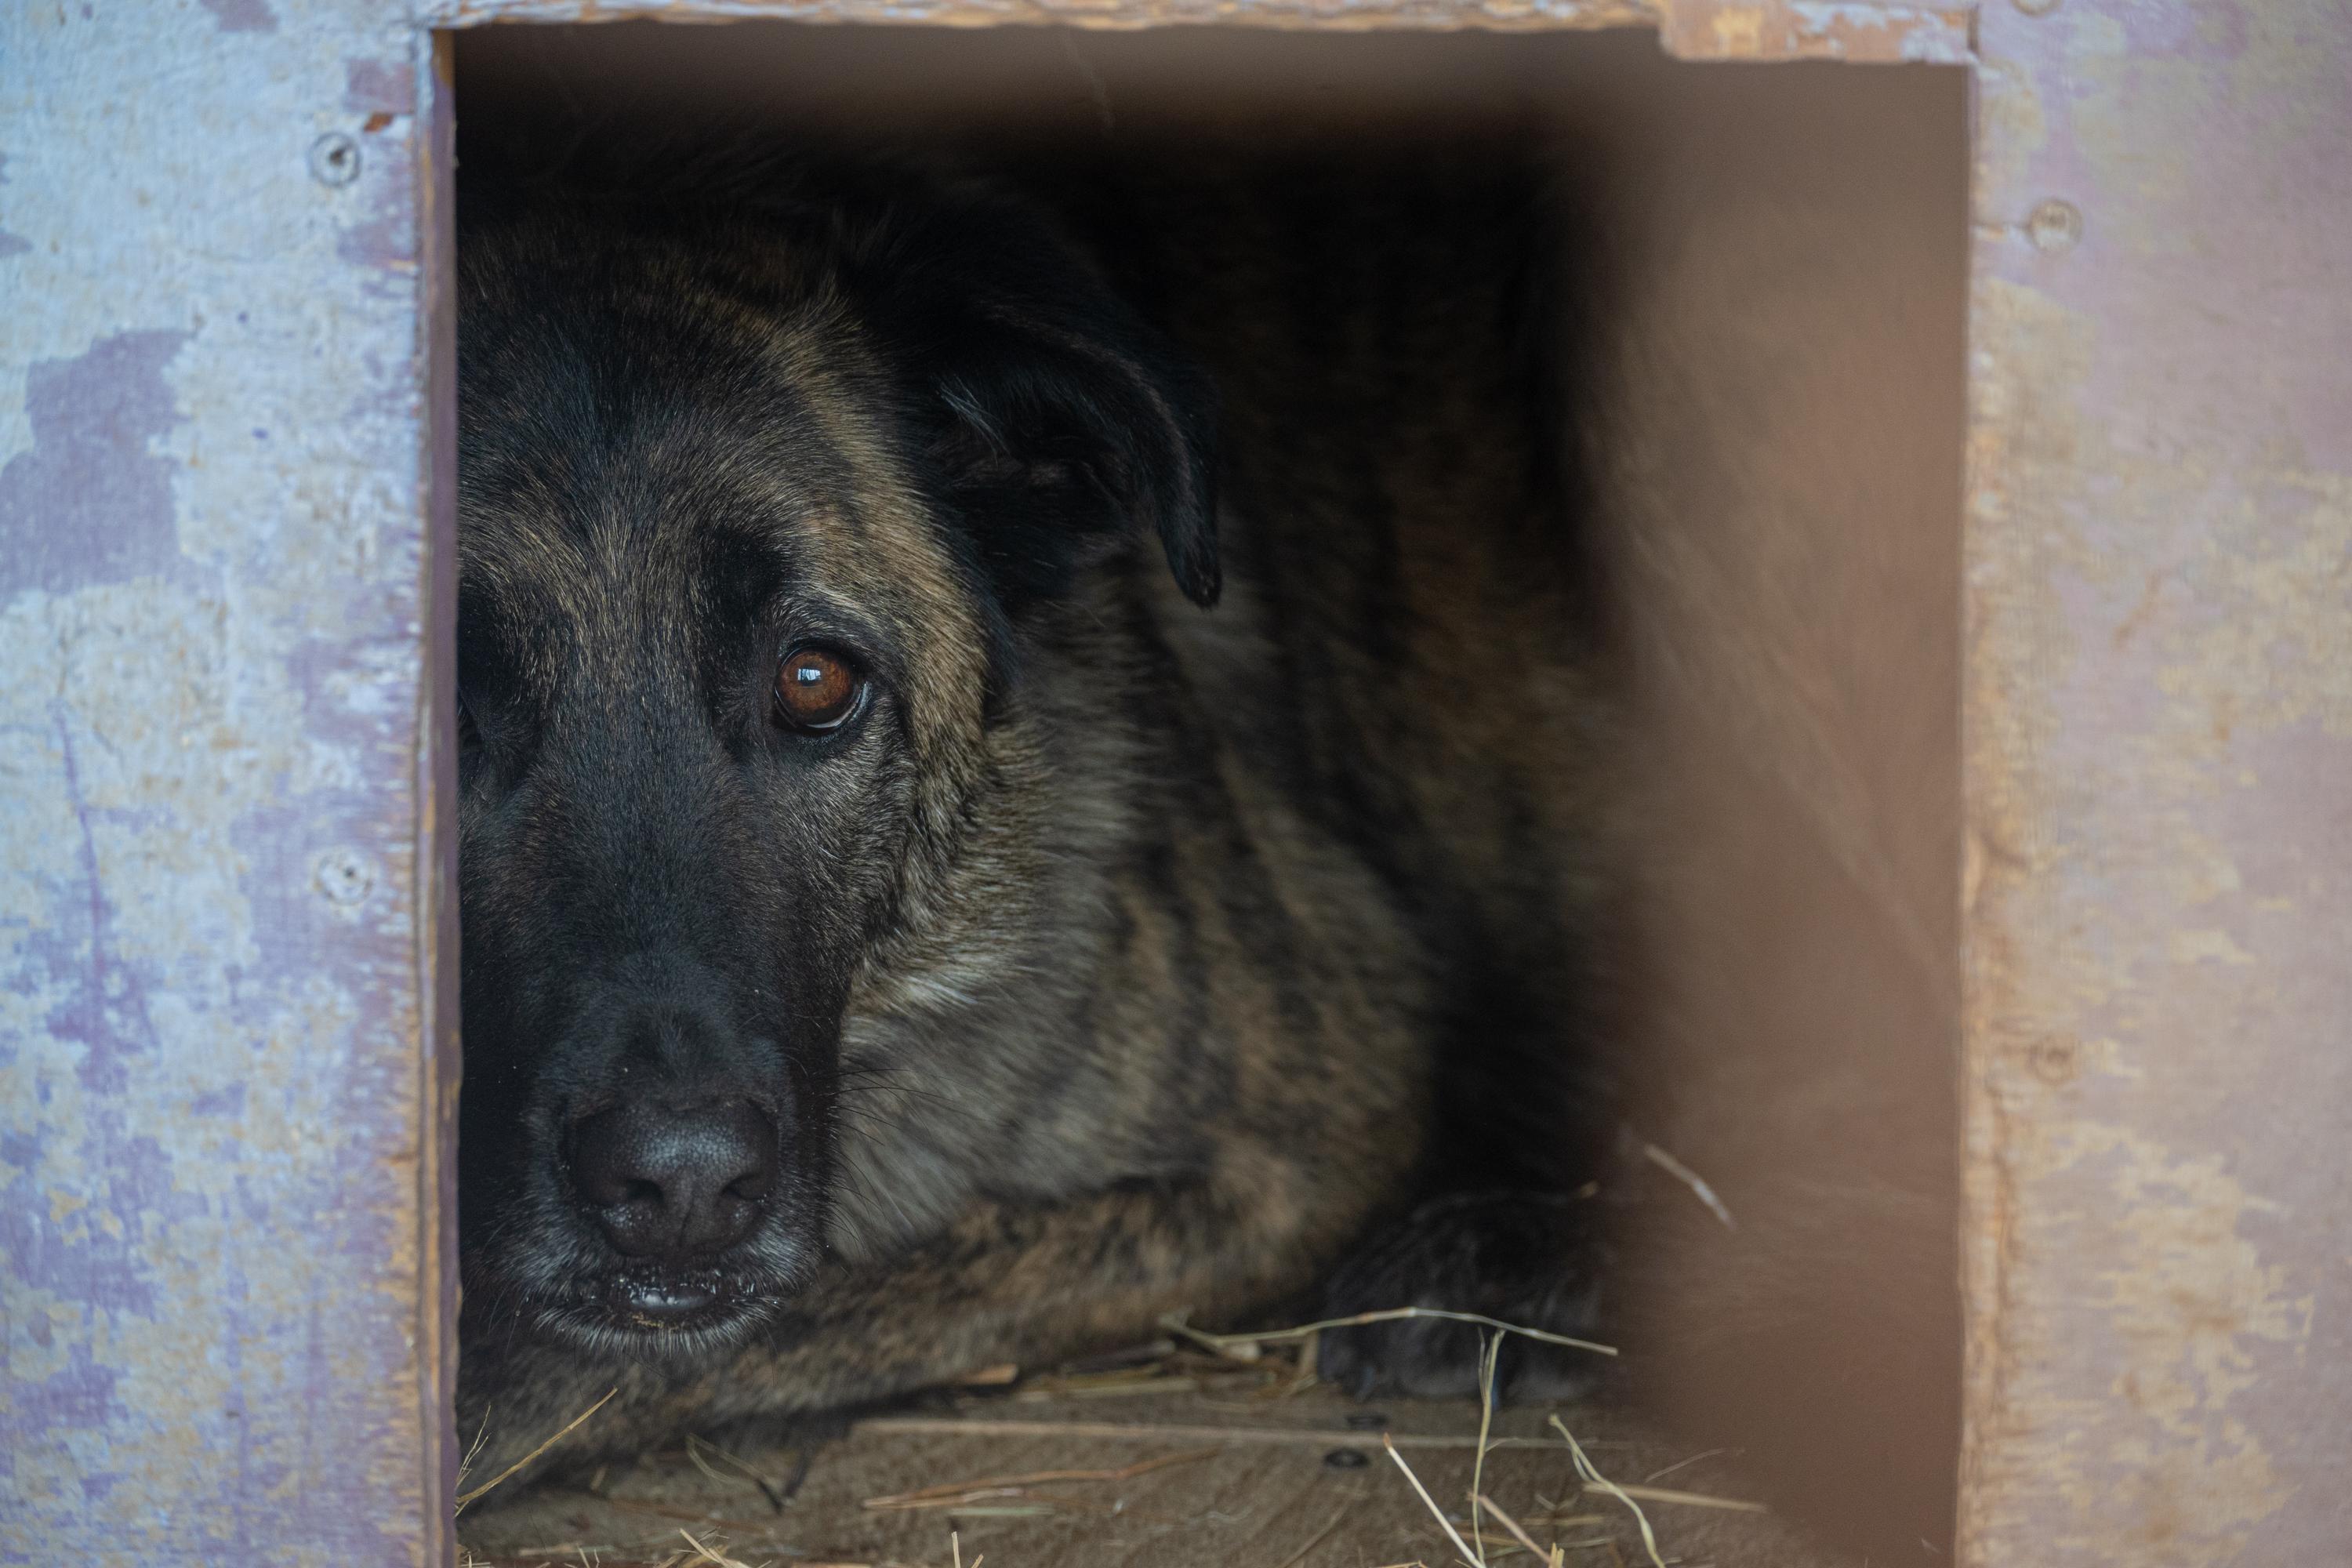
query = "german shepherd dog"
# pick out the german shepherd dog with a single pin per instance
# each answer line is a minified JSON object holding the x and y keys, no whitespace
{"x":1029,"y":762}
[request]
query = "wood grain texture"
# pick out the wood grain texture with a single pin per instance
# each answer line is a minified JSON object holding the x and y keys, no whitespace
{"x":1252,"y":1486}
{"x":1862,"y":31}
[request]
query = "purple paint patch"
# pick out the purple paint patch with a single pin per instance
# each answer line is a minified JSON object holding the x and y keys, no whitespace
{"x":81,"y":1394}
{"x":374,"y":87}
{"x":106,"y":1011}
{"x":384,"y":243}
{"x":10,"y":244}
{"x":242,"y":16}
{"x":78,"y":1259}
{"x":89,"y":503}
{"x":228,"y":1100}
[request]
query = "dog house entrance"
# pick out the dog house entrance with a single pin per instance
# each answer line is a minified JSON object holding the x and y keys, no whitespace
{"x":1763,"y":304}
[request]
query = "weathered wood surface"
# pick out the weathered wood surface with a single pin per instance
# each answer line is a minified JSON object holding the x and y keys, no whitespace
{"x":1927,"y":31}
{"x":1251,"y":1485}
{"x":225,"y":1048}
{"x":2158,"y":778}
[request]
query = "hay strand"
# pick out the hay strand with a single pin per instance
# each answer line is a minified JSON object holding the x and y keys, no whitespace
{"x":1594,"y":1478}
{"x":1693,"y":1180}
{"x":1512,"y":1525}
{"x":1683,"y":1465}
{"x":1430,"y":1503}
{"x":705,"y":1555}
{"x":777,"y":1493}
{"x":1688,"y":1500}
{"x":465,"y":1497}
{"x":1121,"y":1431}
{"x":1315,"y":1539}
{"x":1246,"y":1347}
{"x":1491,"y":1348}
{"x":949,"y":1493}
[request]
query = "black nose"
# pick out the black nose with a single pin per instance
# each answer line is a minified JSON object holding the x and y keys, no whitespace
{"x":678,"y":1185}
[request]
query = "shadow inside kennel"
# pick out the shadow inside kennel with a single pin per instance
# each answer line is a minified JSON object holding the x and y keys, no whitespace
{"x":1767,"y":301}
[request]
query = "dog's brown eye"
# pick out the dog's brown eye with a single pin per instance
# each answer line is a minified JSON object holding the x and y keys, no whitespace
{"x":817,"y":688}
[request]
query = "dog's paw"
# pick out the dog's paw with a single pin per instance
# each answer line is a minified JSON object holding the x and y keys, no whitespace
{"x":1532,"y":1260}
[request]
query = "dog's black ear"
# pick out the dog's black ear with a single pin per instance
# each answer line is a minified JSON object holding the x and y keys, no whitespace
{"x":1058,"y":420}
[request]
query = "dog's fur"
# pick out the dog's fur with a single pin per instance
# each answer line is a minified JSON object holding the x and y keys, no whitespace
{"x":1125,"y":954}
{"x":1112,"y":959}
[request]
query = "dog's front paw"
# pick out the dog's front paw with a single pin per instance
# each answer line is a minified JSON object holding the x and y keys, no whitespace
{"x":1533,"y":1261}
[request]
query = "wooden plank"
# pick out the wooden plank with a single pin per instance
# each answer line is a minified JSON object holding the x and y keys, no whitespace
{"x":1178,"y":1481}
{"x":2158,"y":775}
{"x":1918,"y":31}
{"x":227,"y":1051}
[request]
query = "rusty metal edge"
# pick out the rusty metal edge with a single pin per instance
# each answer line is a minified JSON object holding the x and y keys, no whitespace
{"x":436,"y":860}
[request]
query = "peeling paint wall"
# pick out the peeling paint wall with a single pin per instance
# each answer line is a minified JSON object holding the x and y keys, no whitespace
{"x":223,"y":1071}
{"x":2159,"y":777}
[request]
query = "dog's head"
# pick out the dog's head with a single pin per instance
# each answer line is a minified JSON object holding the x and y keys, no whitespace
{"x":763,"y":503}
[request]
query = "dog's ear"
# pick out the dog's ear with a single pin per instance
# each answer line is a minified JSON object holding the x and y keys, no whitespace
{"x":1057,"y":419}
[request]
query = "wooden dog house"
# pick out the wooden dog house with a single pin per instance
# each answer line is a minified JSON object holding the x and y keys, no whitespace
{"x":1999,"y":662}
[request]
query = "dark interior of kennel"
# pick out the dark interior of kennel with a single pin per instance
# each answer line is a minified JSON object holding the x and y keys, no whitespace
{"x":1767,"y":362}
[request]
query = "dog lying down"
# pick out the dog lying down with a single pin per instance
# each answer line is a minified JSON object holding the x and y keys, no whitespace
{"x":1033,"y":755}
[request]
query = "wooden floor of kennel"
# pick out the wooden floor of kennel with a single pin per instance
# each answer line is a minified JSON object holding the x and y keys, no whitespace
{"x":1081,"y":1472}
{"x":227,"y":1032}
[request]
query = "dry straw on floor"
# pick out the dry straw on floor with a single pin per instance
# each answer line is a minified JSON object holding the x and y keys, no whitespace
{"x":1242,"y":1372}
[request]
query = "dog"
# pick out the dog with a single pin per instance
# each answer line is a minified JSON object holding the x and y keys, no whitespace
{"x":1033,"y":756}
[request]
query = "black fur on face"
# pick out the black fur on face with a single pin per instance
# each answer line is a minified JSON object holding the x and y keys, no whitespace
{"x":699,"y":438}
